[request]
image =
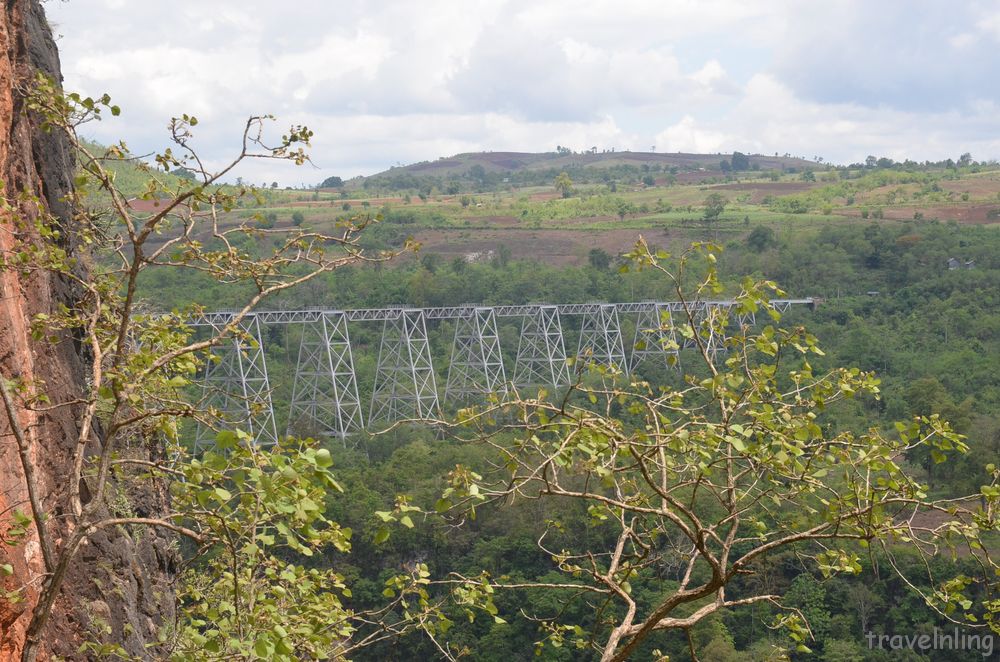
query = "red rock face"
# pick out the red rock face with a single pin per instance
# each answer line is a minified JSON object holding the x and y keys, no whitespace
{"x":118,"y":588}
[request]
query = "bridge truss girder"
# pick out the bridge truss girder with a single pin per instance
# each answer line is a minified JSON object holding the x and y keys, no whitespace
{"x":405,"y":385}
{"x":601,"y":338}
{"x":655,"y":338}
{"x":325,"y":396}
{"x":476,"y":366}
{"x":237,"y":389}
{"x":541,"y":352}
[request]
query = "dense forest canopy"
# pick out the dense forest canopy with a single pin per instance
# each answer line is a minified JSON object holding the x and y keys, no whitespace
{"x":890,"y":302}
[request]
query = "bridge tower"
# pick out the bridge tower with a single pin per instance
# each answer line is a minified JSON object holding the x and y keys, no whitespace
{"x":541,"y":353}
{"x":405,"y":385}
{"x":655,"y":337}
{"x":601,"y":338}
{"x":702,"y":324}
{"x":476,"y":361}
{"x":236,"y":386}
{"x":325,"y":392}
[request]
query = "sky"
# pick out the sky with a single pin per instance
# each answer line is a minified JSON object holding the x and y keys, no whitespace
{"x":393,"y":82}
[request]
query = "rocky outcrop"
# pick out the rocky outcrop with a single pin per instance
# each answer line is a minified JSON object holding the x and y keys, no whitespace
{"x":118,"y":588}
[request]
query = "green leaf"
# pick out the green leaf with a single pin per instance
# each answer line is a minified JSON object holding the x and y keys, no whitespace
{"x":263,"y":648}
{"x":323,"y":458}
{"x":406,"y":521}
{"x":381,"y":535}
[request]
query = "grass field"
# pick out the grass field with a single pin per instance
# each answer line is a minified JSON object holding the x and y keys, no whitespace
{"x":609,"y":211}
{"x":536,"y":222}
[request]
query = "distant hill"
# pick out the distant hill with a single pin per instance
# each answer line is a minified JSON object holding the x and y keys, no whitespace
{"x":515,"y":162}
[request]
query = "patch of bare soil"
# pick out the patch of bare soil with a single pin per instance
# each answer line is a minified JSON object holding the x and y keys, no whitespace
{"x":546,"y":195}
{"x":925,"y":519}
{"x":760,"y":190}
{"x":496,"y":221}
{"x":977,"y":187}
{"x":697,"y":177}
{"x":965,"y":214}
{"x":558,"y":247}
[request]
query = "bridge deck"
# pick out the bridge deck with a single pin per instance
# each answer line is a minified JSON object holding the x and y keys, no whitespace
{"x":220,"y":317}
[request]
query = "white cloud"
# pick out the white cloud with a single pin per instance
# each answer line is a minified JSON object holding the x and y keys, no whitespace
{"x":395,"y":81}
{"x":770,"y":117}
{"x":687,"y":136}
{"x":990,"y":24}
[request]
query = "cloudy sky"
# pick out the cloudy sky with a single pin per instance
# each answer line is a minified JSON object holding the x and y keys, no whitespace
{"x":386,"y":82}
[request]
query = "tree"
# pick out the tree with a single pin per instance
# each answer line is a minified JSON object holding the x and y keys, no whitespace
{"x":183,"y":173}
{"x":740,"y":161}
{"x":478,"y":174}
{"x":716,"y":476}
{"x":332,"y":182}
{"x":714,"y":204}
{"x":268,"y":221}
{"x":430,"y":261}
{"x":298,"y":218}
{"x":760,"y":238}
{"x":623,"y":208}
{"x":564,"y":185}
{"x":724,"y":166}
{"x":140,"y":363}
{"x":599,"y":259}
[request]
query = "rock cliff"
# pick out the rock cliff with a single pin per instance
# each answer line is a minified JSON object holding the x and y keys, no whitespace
{"x":118,"y":588}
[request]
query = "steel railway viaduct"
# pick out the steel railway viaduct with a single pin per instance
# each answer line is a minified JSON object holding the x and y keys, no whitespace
{"x":325,"y":398}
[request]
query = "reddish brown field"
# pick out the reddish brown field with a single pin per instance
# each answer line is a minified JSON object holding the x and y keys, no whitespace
{"x":375,"y":202}
{"x":977,"y":187}
{"x":761,"y":190}
{"x":696,"y":177}
{"x":961,"y":213}
{"x":546,"y":195}
{"x":561,"y":247}
{"x":970,"y":214}
{"x":494,"y":221}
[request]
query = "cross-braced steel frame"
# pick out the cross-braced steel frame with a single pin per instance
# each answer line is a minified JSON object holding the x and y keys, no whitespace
{"x":476,"y":367}
{"x":601,"y":338}
{"x":655,"y":338}
{"x":541,"y":353}
{"x":236,"y":388}
{"x":405,"y":385}
{"x":702,"y":323}
{"x":325,"y":397}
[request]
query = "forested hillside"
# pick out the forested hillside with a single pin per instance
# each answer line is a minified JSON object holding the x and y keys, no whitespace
{"x":889,"y":301}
